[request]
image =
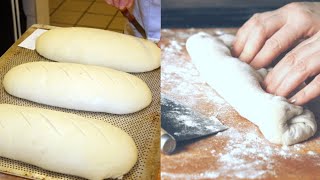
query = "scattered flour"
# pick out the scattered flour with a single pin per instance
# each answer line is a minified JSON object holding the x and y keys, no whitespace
{"x":182,"y":77}
{"x":245,"y":156}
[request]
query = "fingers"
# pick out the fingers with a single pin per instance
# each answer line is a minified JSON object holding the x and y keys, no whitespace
{"x":120,"y":4}
{"x":109,"y":2}
{"x":294,"y":69}
{"x":115,"y":3}
{"x":311,"y":91}
{"x":259,"y":34}
{"x":130,"y":3}
{"x":245,"y":30}
{"x":241,"y":38}
{"x":123,"y":4}
{"x":296,"y":76}
{"x":275,"y":45}
{"x":290,"y":61}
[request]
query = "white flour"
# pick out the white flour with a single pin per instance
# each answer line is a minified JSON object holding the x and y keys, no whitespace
{"x":245,"y":156}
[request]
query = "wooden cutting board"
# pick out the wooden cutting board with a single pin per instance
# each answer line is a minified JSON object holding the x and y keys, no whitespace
{"x":241,"y":152}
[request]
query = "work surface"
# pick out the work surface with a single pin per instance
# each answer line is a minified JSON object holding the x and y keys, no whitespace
{"x":239,"y":152}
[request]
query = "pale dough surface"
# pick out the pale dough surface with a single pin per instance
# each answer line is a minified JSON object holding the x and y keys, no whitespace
{"x":99,"y":47}
{"x":239,"y":84}
{"x":80,"y":87}
{"x":65,"y":143}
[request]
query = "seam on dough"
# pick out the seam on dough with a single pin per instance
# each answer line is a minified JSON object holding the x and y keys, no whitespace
{"x":146,"y":48}
{"x":44,"y":67}
{"x":131,"y":81}
{"x":77,"y":127}
{"x":27,"y":69}
{"x":86,"y":73}
{"x":51,"y":125}
{"x":25,"y":118}
{"x":96,"y":127}
{"x":65,"y":71}
{"x":114,"y":82}
{"x":2,"y":125}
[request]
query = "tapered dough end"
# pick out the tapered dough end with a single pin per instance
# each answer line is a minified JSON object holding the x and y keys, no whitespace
{"x":99,"y":47}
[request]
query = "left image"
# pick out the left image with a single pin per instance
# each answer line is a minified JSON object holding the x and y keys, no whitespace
{"x":80,"y":89}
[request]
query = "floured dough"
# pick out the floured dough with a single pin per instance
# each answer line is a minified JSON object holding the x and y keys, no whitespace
{"x":80,"y":87}
{"x":99,"y":47}
{"x":65,"y":143}
{"x":239,"y":84}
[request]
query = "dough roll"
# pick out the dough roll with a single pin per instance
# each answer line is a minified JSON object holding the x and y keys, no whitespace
{"x":239,"y":84}
{"x":99,"y":47}
{"x":79,"y":87}
{"x":65,"y":143}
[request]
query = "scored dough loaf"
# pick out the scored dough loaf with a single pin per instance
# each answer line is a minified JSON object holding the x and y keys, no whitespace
{"x":239,"y":84}
{"x":77,"y":86}
{"x":65,"y":143}
{"x":99,"y":47}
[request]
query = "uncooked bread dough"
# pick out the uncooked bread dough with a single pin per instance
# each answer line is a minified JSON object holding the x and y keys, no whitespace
{"x":65,"y":143}
{"x":239,"y":84}
{"x":80,"y":87}
{"x":99,"y":47}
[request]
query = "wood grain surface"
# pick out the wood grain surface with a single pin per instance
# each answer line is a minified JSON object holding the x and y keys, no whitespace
{"x":241,"y":152}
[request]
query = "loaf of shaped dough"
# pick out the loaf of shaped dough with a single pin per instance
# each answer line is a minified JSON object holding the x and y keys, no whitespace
{"x":65,"y":143}
{"x":99,"y":47}
{"x":80,"y":87}
{"x":239,"y":84}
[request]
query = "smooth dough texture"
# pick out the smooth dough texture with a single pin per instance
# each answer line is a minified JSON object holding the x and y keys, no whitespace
{"x":80,"y":87}
{"x":65,"y":143}
{"x":239,"y":84}
{"x":99,"y":47}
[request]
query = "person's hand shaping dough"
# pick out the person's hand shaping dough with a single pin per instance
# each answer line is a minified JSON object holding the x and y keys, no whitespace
{"x":299,"y":64}
{"x":120,"y":4}
{"x":265,"y":36}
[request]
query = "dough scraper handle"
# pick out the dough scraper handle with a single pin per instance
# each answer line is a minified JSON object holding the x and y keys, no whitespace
{"x":134,"y":22}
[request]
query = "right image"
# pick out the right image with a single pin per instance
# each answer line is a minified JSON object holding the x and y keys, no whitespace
{"x":240,"y":87}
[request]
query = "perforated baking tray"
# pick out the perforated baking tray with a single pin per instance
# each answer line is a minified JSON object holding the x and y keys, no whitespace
{"x":143,"y":126}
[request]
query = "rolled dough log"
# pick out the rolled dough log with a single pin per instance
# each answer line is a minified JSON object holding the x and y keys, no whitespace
{"x":80,"y":87}
{"x":99,"y":47}
{"x":239,"y":84}
{"x":65,"y":143}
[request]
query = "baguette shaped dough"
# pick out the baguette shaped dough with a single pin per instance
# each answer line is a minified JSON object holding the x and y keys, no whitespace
{"x":65,"y":143}
{"x":99,"y":47}
{"x":80,"y":87}
{"x":239,"y":84}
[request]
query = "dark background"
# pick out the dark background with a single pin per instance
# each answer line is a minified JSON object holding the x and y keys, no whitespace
{"x":213,"y":13}
{"x":6,"y":33}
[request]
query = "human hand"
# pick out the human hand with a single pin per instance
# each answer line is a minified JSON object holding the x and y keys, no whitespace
{"x":120,"y":4}
{"x":297,"y":66}
{"x":265,"y":36}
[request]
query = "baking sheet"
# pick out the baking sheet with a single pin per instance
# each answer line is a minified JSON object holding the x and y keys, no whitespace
{"x":142,"y":126}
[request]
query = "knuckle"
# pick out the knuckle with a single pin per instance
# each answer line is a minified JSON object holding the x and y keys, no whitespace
{"x":291,"y":59}
{"x":293,"y":6}
{"x":273,"y":43}
{"x":256,"y":20}
{"x":300,"y":68}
